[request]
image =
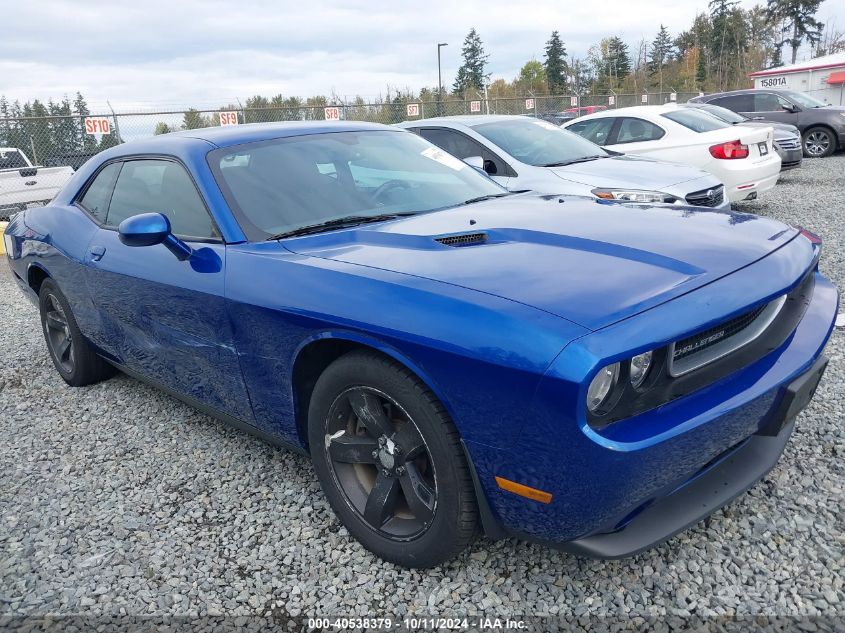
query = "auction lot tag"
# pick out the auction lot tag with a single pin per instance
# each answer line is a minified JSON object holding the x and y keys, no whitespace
{"x":435,"y":153}
{"x":413,"y":109}
{"x":332,"y":113}
{"x":97,"y":125}
{"x":228,"y":118}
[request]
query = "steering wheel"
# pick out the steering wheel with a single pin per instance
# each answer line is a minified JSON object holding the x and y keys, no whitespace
{"x":384,"y":187}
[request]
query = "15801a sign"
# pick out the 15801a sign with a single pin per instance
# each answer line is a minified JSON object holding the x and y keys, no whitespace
{"x":773,"y":82}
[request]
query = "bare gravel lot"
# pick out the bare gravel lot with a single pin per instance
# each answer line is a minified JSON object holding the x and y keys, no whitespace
{"x":118,"y":500}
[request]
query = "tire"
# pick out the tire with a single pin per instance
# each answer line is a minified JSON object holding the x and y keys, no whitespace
{"x":74,"y":358}
{"x":408,"y":496}
{"x":818,"y":142}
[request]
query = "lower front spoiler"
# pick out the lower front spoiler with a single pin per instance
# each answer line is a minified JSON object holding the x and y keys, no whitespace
{"x":715,"y":486}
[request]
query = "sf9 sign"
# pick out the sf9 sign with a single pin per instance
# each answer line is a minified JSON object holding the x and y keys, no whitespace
{"x":228,"y":118}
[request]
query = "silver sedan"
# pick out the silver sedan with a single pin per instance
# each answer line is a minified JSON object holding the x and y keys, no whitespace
{"x":526,"y":153}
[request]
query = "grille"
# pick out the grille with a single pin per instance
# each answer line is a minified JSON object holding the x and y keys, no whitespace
{"x":788,"y":144}
{"x":466,"y":239}
{"x":707,"y":197}
{"x":704,"y":347}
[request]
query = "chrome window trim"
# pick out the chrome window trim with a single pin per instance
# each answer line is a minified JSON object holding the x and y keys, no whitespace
{"x":726,"y":346}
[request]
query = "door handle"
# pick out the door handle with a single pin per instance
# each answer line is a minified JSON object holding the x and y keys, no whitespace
{"x":97,"y":252}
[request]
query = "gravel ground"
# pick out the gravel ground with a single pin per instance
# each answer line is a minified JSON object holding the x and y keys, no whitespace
{"x":117,"y":499}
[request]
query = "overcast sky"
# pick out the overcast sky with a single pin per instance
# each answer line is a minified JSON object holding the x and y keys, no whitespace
{"x":210,"y":52}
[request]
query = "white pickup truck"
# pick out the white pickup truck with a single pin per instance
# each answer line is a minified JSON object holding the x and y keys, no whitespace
{"x":23,"y":184}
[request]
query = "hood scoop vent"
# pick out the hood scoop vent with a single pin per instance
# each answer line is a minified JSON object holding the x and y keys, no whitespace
{"x":463,"y":239}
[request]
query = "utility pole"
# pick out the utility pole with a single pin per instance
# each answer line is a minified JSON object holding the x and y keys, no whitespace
{"x":440,"y":81}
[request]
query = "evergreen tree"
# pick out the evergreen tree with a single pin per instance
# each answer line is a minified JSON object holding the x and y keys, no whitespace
{"x":471,"y":73}
{"x":162,"y":128}
{"x":799,"y":22}
{"x":618,"y":57}
{"x":555,"y":64}
{"x":660,"y":53}
{"x":193,"y":120}
{"x":86,"y":142}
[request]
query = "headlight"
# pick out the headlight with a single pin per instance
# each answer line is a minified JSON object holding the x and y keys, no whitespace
{"x":633,"y":195}
{"x":602,"y":386}
{"x":640,"y":365}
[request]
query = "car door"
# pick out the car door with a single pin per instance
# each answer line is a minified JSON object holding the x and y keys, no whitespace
{"x":773,"y":107}
{"x":161,"y":317}
{"x":636,"y":136}
{"x":461,"y":146}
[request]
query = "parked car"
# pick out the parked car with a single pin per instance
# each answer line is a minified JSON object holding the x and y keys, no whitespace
{"x":742,"y":158}
{"x":23,"y":184}
{"x":521,"y":153}
{"x":786,"y":139}
{"x":822,"y":126}
{"x":449,"y":354}
{"x":558,"y":118}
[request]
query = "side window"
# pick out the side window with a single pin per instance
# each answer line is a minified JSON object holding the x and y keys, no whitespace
{"x":632,"y":130}
{"x":595,"y":130}
{"x":462,"y":146}
{"x":160,"y":186}
{"x":737,"y":103}
{"x":766,"y":102}
{"x":96,"y":198}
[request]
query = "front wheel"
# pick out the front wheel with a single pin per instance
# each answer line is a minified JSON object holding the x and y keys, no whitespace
{"x":819,"y":142}
{"x":390,"y":461}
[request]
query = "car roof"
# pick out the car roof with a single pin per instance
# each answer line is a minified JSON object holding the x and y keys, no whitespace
{"x":743,"y":91}
{"x":226,"y":135}
{"x":468,"y":120}
{"x":641,"y":110}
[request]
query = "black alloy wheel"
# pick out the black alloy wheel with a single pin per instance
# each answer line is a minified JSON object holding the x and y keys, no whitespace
{"x":381,"y":463}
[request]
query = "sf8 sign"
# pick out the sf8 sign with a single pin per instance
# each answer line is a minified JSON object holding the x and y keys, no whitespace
{"x":332,"y":113}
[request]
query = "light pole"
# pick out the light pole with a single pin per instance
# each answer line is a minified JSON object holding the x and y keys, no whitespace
{"x":440,"y":81}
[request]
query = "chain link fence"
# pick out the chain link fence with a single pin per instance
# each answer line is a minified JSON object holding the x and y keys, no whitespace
{"x":39,"y":154}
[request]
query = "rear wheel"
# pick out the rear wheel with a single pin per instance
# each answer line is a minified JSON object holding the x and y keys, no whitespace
{"x":819,"y":142}
{"x":75,"y":360}
{"x":390,"y":461}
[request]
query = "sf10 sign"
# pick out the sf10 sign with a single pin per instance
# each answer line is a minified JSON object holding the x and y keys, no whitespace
{"x":475,"y":106}
{"x":332,"y":113}
{"x":413,"y":109}
{"x":529,"y":104}
{"x":97,"y":125}
{"x":228,"y":118}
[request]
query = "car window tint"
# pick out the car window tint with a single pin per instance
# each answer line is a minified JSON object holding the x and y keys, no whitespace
{"x":767,"y":102}
{"x":633,"y":130}
{"x":696,"y":120}
{"x":462,"y":146}
{"x":737,"y":103}
{"x":96,"y":198}
{"x":160,"y":186}
{"x":595,"y":130}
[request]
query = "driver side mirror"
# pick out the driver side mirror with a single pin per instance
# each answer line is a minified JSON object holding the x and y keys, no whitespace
{"x":149,"y":229}
{"x":477,"y":162}
{"x":791,"y":107}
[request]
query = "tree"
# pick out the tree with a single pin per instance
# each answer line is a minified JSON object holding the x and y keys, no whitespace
{"x":798,"y":17}
{"x":162,"y":128}
{"x":659,"y":53}
{"x":532,"y":77}
{"x":471,"y":73}
{"x":80,"y":108}
{"x":193,"y":120}
{"x":555,"y":64}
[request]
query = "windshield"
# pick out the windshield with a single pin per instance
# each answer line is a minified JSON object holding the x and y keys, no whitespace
{"x":695,"y":120}
{"x":286,"y":184}
{"x":728,"y":116}
{"x":12,"y":159}
{"x":805,"y":100}
{"x":536,"y":142}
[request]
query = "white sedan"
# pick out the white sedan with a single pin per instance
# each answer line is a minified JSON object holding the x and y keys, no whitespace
{"x":743,"y":158}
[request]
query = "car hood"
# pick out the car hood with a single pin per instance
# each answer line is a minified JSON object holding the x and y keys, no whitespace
{"x":629,"y":172}
{"x":589,"y":261}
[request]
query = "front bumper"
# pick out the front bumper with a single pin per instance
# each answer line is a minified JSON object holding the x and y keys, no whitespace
{"x":716,"y":485}
{"x":790,"y":158}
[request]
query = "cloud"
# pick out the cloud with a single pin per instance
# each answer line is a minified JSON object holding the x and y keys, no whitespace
{"x":205,"y":53}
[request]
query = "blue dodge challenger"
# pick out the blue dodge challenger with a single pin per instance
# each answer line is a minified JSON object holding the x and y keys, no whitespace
{"x":453,"y":357}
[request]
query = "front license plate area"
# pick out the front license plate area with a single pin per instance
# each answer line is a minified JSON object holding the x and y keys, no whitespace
{"x":764,"y":149}
{"x":796,"y":396}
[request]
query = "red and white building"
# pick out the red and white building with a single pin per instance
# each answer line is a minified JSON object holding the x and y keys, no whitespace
{"x":822,"y":77}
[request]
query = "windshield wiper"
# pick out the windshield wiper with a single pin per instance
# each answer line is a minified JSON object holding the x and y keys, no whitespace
{"x":489,"y":196}
{"x":574,"y":161}
{"x":337,"y":223}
